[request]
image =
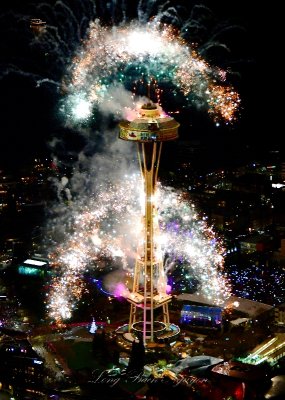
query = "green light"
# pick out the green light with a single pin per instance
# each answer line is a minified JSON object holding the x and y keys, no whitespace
{"x":23,"y":270}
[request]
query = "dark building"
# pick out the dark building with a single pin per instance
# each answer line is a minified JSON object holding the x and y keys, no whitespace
{"x":20,"y":365}
{"x":254,"y":378}
{"x":202,"y":316}
{"x":35,"y":266}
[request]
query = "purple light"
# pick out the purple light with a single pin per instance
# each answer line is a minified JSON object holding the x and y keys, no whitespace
{"x":168,"y":289}
{"x":120,"y":290}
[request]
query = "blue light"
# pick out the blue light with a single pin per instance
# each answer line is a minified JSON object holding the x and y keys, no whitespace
{"x":38,"y":362}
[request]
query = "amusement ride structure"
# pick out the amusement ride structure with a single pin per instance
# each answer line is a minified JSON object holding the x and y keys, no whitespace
{"x":149,"y":291}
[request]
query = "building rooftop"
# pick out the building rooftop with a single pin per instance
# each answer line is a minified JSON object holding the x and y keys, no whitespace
{"x":249,"y":307}
{"x":240,"y":371}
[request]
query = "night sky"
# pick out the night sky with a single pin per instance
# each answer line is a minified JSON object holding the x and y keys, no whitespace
{"x":29,"y":113}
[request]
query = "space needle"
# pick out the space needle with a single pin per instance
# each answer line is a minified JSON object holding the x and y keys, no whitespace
{"x":149,"y":289}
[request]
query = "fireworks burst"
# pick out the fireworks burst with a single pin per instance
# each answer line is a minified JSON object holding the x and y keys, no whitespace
{"x":111,"y":67}
{"x":135,"y":55}
{"x":106,"y":65}
{"x":105,"y":232}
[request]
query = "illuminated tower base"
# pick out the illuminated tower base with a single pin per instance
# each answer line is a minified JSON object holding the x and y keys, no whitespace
{"x":149,"y":291}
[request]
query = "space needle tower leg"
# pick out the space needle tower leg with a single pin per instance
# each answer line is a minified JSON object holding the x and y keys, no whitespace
{"x":150,"y":160}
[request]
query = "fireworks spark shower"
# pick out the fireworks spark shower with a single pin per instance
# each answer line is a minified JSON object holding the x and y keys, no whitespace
{"x":135,"y":56}
{"x":109,"y":72}
{"x":107,"y":228}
